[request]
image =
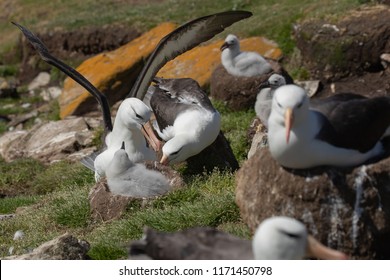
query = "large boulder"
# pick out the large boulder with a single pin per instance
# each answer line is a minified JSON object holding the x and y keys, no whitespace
{"x":346,"y":209}
{"x":113,"y":73}
{"x":350,"y":45}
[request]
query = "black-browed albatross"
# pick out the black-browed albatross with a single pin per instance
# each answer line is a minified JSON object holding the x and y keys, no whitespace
{"x":175,"y":43}
{"x":185,"y":118}
{"x":344,"y":130}
{"x":276,"y":238}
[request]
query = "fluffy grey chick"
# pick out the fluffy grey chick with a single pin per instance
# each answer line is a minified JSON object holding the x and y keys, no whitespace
{"x":264,"y":97}
{"x":240,"y":63}
{"x":133,"y":179}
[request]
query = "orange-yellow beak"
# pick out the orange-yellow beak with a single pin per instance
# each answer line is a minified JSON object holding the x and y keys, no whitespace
{"x":288,"y":121}
{"x":164,"y":160}
{"x":317,"y":250}
{"x":148,"y":133}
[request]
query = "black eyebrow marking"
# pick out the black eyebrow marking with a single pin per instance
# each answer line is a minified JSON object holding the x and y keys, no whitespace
{"x":138,"y":116}
{"x":289,"y":234}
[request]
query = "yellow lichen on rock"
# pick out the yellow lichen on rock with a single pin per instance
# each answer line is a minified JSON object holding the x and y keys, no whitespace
{"x":199,"y":62}
{"x":110,"y":72}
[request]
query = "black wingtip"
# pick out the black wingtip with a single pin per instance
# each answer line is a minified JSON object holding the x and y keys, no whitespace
{"x":34,"y":40}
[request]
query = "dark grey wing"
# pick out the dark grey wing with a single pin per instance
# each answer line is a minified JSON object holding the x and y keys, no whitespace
{"x":186,"y":90}
{"x":181,"y":40}
{"x":72,"y":73}
{"x":166,"y":107}
{"x":358,"y":123}
{"x":328,"y":104}
{"x":200,"y":243}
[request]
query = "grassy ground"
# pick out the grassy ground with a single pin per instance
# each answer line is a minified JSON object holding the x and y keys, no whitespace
{"x":51,"y":200}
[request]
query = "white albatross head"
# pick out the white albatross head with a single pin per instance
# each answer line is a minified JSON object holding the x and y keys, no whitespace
{"x":178,"y":149}
{"x":135,"y":115}
{"x":232,"y":43}
{"x":284,"y":238}
{"x":290,"y":106}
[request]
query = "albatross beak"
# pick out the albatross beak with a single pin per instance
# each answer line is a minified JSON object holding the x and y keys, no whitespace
{"x":317,"y":250}
{"x":265,"y":84}
{"x":148,"y":133}
{"x":224,"y":46}
{"x":164,"y":160}
{"x":288,"y":121}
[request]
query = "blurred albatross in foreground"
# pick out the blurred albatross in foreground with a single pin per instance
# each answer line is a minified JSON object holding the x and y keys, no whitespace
{"x":277,"y":238}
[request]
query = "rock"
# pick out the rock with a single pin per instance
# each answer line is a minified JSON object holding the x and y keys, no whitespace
{"x":41,"y":80}
{"x":6,"y":216}
{"x":113,"y":73}
{"x":8,"y":89}
{"x":47,"y":141}
{"x":64,"y":247}
{"x":104,"y":205}
{"x":239,"y":93}
{"x":18,"y":235}
{"x":346,"y":209}
{"x":352,"y":45}
{"x":385,"y":57}
{"x":51,"y":93}
{"x":257,"y":136}
{"x":311,"y":87}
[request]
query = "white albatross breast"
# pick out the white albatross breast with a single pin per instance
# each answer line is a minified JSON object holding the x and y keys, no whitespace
{"x":240,"y":63}
{"x":343,"y":130}
{"x":185,"y":118}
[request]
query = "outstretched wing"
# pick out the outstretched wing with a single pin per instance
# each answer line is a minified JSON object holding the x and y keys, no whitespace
{"x":181,"y":40}
{"x":72,"y":73}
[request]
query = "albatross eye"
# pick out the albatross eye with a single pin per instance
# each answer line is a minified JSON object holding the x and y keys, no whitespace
{"x":138,"y":116}
{"x":300,"y":105}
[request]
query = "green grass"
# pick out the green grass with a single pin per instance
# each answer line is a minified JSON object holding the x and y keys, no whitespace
{"x":10,"y":204}
{"x":207,"y":200}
